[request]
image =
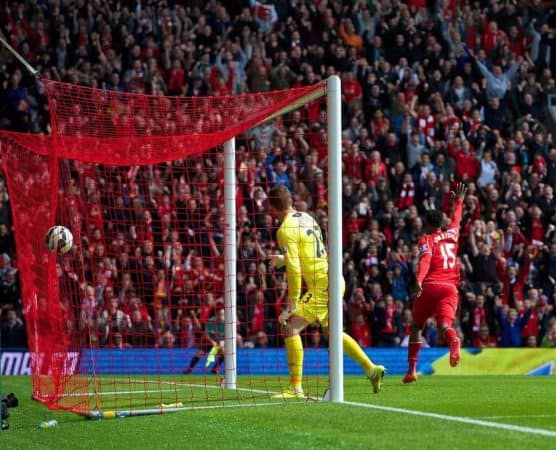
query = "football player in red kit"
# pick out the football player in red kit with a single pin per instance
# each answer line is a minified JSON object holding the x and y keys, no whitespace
{"x":436,"y":293}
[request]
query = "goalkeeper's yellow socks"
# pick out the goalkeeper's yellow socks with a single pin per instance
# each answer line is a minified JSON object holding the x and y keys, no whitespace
{"x":294,"y":352}
{"x":355,"y":352}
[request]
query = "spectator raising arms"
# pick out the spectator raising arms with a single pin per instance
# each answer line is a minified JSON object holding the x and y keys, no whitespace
{"x":511,"y":324}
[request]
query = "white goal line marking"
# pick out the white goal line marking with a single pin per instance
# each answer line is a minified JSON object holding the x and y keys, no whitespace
{"x":468,"y":420}
{"x":525,"y":416}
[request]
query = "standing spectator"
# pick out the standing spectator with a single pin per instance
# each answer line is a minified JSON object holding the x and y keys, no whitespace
{"x":398,"y":279}
{"x":512,"y":279}
{"x":458,"y":93}
{"x":495,"y":114}
{"x":498,"y":82}
{"x":489,"y":170}
{"x":375,"y":169}
{"x":483,"y":261}
{"x":511,"y":324}
{"x":484,"y":339}
{"x":478,"y":316}
{"x":407,"y":193}
{"x":467,"y":166}
{"x":414,"y":150}
{"x":10,"y":289}
{"x":531,"y":325}
{"x":550,"y":178}
{"x":349,"y":35}
{"x":12,"y":331}
{"x":388,"y":318}
{"x":361,"y":331}
{"x":549,"y":340}
{"x":547,"y":203}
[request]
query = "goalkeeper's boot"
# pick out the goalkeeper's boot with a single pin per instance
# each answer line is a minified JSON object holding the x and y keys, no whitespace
{"x":454,"y":352}
{"x":410,"y":377}
{"x":376,"y":378}
{"x":291,"y":392}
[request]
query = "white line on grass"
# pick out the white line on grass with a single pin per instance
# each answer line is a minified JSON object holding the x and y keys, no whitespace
{"x":175,"y":384}
{"x":91,"y":394}
{"x":241,"y":405}
{"x":468,"y":420}
{"x":210,"y":386}
{"x":532,"y":416}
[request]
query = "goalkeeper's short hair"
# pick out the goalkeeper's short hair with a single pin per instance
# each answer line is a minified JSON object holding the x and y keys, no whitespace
{"x":280,"y":197}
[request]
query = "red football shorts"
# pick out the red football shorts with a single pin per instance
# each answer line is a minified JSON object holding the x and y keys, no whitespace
{"x":438,"y":300}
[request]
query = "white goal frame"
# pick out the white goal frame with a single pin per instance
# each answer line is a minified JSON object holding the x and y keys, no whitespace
{"x":335,"y":285}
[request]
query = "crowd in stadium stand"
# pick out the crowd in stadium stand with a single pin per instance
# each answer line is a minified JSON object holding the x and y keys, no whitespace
{"x":434,"y":92}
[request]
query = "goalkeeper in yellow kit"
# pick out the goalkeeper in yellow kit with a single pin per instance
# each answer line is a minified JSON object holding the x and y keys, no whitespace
{"x":304,"y":254}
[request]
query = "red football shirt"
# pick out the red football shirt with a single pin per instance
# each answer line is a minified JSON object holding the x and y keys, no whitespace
{"x":438,"y":262}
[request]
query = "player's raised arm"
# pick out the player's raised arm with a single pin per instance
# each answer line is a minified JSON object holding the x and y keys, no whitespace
{"x":458,"y":196}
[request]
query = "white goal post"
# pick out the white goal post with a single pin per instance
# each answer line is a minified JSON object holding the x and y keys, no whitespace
{"x":335,"y":285}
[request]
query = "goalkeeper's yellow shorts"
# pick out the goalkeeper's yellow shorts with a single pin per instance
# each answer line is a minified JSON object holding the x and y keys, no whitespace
{"x":313,"y":306}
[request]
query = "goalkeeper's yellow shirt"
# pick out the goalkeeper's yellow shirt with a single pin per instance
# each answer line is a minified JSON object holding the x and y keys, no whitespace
{"x":300,"y":239}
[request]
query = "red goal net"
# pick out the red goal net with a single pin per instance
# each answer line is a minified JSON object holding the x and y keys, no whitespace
{"x":132,"y":319}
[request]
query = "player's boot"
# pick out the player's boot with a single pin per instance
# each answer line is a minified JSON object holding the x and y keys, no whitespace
{"x":454,"y":352}
{"x":376,"y":378}
{"x":291,"y":392}
{"x":410,"y":377}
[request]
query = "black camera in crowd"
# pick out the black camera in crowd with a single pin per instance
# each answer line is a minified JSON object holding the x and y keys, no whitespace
{"x":10,"y":401}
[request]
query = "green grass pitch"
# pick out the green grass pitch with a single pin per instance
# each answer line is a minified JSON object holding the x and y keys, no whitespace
{"x":519,"y":401}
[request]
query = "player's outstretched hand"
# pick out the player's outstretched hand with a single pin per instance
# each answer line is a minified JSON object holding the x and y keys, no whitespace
{"x":461,"y":190}
{"x":286,"y":314}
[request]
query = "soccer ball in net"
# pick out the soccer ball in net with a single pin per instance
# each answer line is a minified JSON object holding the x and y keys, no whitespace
{"x":58,"y":239}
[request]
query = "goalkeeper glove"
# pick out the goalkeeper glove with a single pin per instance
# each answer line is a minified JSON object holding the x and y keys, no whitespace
{"x":212,"y":355}
{"x":277,"y":261}
{"x":286,"y":314}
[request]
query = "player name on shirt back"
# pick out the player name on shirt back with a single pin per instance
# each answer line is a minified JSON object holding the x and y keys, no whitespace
{"x":451,"y":234}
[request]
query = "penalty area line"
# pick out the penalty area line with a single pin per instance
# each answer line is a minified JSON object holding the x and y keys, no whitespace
{"x":467,"y":420}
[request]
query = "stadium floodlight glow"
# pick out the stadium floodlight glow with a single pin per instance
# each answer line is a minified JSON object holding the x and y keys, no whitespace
{"x":102,"y":174}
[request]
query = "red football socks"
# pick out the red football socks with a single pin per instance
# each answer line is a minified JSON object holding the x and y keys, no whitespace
{"x":414,"y":348}
{"x":449,"y":335}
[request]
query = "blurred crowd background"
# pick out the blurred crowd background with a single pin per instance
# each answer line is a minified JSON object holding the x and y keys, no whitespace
{"x":434,"y":92}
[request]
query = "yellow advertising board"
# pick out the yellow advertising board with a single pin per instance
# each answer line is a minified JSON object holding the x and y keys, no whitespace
{"x":500,"y":361}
